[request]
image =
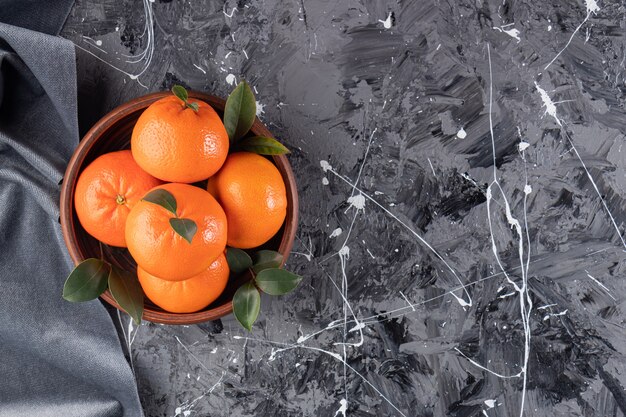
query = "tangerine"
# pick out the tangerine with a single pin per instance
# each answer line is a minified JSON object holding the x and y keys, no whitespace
{"x":105,"y":193}
{"x":252,"y":193}
{"x":189,"y":295}
{"x":176,"y":143}
{"x":160,"y":250}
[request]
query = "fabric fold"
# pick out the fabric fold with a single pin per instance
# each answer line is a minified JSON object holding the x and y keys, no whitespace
{"x":56,"y":358}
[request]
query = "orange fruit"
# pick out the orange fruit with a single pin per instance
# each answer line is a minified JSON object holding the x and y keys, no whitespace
{"x":105,"y":193}
{"x":160,"y":250}
{"x":190,"y":295}
{"x":178,"y":144}
{"x":252,"y":193}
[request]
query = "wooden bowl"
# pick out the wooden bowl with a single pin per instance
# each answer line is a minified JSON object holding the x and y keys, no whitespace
{"x":112,"y":133}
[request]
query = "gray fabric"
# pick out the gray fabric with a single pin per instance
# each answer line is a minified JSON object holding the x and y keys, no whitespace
{"x":56,"y":358}
{"x":45,"y":16}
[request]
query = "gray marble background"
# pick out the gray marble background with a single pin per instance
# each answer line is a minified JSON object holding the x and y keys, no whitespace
{"x":462,"y":186}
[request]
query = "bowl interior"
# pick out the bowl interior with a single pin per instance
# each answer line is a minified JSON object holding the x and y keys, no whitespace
{"x":112,"y":133}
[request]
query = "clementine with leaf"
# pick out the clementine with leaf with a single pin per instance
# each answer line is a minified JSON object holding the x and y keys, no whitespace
{"x":176,"y":231}
{"x":178,"y":139}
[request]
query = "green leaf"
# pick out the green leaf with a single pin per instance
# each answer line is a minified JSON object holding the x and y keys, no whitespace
{"x":187,"y":228}
{"x":262,"y":145}
{"x":276,"y":281}
{"x":180,"y":92}
{"x":265,"y":259}
{"x":127,"y":292}
{"x":163,"y":198}
{"x":238,"y":260}
{"x":247,"y":304}
{"x":87,"y":281}
{"x":240,"y":111}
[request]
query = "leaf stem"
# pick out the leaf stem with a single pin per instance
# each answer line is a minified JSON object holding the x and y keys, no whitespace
{"x":180,"y":92}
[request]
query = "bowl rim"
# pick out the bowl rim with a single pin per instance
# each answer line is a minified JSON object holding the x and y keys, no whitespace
{"x":75,"y":166}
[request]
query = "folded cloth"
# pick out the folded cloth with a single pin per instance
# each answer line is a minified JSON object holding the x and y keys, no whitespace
{"x":45,"y":16}
{"x":56,"y":358}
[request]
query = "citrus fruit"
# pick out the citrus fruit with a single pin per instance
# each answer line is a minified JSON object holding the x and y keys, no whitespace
{"x":253,"y":196}
{"x":189,"y":295}
{"x":105,"y":193}
{"x":176,"y":143}
{"x":160,"y":250}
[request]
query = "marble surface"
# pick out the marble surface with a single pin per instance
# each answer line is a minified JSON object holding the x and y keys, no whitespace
{"x":462,"y":187}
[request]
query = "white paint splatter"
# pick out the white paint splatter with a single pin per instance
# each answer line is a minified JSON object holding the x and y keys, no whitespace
{"x":387,"y":22}
{"x":551,"y":110}
{"x":476,"y":364}
{"x":461,"y":301}
{"x":230,"y":79}
{"x":528,"y":189}
{"x":357,"y":201}
{"x":231,"y":12}
{"x":336,"y":232}
{"x":325,"y":181}
{"x":490,"y":403}
{"x":407,"y":300}
{"x":186,"y":408}
{"x":331,"y":354}
{"x":343,"y":408}
{"x":562,"y":313}
{"x":200,"y":68}
{"x":144,"y":57}
{"x":461,"y":134}
{"x":522,"y":146}
{"x":432,"y":167}
{"x":130,"y":337}
{"x":401,"y":311}
{"x":592,"y":7}
{"x":547,"y":103}
{"x":356,"y":328}
{"x":260,"y":109}
{"x":523,"y":241}
{"x":601,"y":285}
{"x":514,"y":33}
